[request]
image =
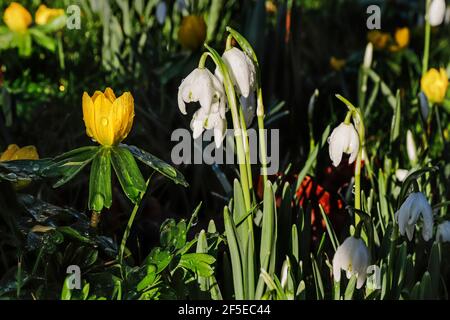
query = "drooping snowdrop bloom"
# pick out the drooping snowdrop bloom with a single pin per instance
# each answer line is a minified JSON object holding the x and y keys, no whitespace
{"x":242,"y":71}
{"x":436,"y":12}
{"x":343,"y":139}
{"x":203,"y":87}
{"x":415,"y":205}
{"x":352,"y":256}
{"x":161,"y":12}
{"x":443,"y":232}
{"x":200,"y":86}
{"x":411,"y":148}
{"x":368,"y":55}
{"x":401,"y":174}
{"x":215,"y":120}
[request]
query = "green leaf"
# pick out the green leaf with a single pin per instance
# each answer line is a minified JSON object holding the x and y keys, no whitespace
{"x":43,"y":40}
{"x":66,"y":293}
{"x":67,"y":165}
{"x":348,"y":295}
{"x":395,"y":125}
{"x":267,"y":234}
{"x":230,"y":232}
{"x":128,"y":173}
{"x":172,"y":234}
{"x":434,"y":267}
{"x":17,"y":170}
{"x":54,"y":25}
{"x":157,"y":164}
{"x":75,"y":234}
{"x":160,"y":258}
{"x":23,"y":43}
{"x":199,"y":263}
{"x":100,"y":194}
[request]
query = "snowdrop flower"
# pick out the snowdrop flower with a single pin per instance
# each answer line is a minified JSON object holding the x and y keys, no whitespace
{"x":443,"y":232}
{"x":411,"y":148}
{"x":401,"y":174}
{"x":352,"y":256}
{"x":368,"y":55}
{"x":415,"y":205}
{"x":161,"y":11}
{"x":242,"y":71}
{"x":343,"y":139}
{"x":215,"y":120}
{"x":436,"y":12}
{"x":203,"y":87}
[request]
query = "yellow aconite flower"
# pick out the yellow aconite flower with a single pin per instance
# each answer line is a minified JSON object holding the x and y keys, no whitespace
{"x":44,"y":14}
{"x":13,"y":152}
{"x":337,"y":64}
{"x":192,"y":32}
{"x":17,"y":18}
{"x":378,"y":39}
{"x":108,"y":119}
{"x":401,"y":37}
{"x":434,"y":84}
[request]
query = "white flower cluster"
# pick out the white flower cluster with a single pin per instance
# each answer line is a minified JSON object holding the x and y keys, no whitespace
{"x":206,"y":88}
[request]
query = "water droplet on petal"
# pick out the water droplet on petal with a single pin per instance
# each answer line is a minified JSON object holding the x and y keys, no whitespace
{"x":104,"y":122}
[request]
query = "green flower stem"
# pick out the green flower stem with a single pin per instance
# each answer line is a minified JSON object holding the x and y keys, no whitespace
{"x":130,"y":223}
{"x":348,"y":118}
{"x":231,"y":97}
{"x":229,"y":45}
{"x":202,"y":61}
{"x":262,"y":138}
{"x":359,"y":123}
{"x":245,"y":142}
{"x":358,"y":184}
{"x":426,"y":49}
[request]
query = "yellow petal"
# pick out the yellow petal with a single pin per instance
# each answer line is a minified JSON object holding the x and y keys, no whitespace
{"x":402,"y":37}
{"x":8,"y":154}
{"x":45,"y":15}
{"x":96,"y":94}
{"x":26,"y":153}
{"x":103,"y":120}
{"x":109,"y":93}
{"x":17,"y":18}
{"x":123,"y":114}
{"x":88,"y":116}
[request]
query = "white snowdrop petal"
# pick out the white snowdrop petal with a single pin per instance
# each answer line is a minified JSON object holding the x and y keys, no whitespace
{"x":436,"y":12}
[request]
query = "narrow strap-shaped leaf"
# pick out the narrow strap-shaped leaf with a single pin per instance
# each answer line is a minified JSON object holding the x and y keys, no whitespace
{"x":230,"y":232}
{"x":267,"y":235}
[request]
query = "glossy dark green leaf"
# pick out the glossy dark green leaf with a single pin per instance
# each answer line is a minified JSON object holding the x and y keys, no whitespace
{"x":17,"y":170}
{"x":172,"y":234}
{"x":128,"y":173}
{"x":100,"y":194}
{"x":67,"y":165}
{"x":157,"y":164}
